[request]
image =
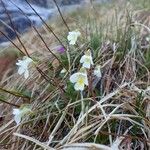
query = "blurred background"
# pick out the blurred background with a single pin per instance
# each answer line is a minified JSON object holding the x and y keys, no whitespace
{"x":19,"y":10}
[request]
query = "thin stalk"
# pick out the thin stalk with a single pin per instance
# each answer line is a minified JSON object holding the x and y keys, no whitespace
{"x":49,"y":48}
{"x":48,"y":27}
{"x":61,"y":15}
{"x":82,"y":104}
{"x":54,"y":83}
{"x":11,"y":42}
{"x":15,"y":29}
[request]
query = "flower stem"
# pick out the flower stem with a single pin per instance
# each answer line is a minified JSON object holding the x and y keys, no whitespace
{"x":82,"y":104}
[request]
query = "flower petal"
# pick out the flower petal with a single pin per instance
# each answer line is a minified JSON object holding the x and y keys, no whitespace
{"x":82,"y":59}
{"x":86,"y":61}
{"x":16,"y":111}
{"x":69,"y":37}
{"x":17,"y":119}
{"x":23,"y":66}
{"x":72,"y":42}
{"x":91,"y":61}
{"x":97,"y":72}
{"x":79,"y":87}
{"x":86,"y":65}
{"x":17,"y":115}
{"x":72,"y":37}
{"x":26,"y":74}
{"x":28,"y":60}
{"x":21,"y":71}
{"x":86,"y":81}
{"x":74,"y":77}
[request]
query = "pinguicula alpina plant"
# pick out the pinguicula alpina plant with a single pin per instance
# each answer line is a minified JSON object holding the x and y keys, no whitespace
{"x":19,"y":113}
{"x":23,"y":66}
{"x":79,"y":79}
{"x":97,"y":71}
{"x":87,"y":60}
{"x":72,"y":37}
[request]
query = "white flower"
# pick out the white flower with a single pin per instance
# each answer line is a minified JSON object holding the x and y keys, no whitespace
{"x":19,"y":113}
{"x":87,"y":60}
{"x":63,"y":71}
{"x":97,"y":71}
{"x":72,"y":37}
{"x":23,"y":66}
{"x":80,"y":79}
{"x":147,"y":39}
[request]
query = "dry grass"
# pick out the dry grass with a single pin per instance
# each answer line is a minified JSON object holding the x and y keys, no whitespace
{"x":117,"y":105}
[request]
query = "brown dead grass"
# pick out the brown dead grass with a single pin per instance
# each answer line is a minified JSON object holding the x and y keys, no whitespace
{"x":46,"y":122}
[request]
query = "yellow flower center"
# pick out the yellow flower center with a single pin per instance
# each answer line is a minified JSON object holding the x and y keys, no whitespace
{"x":81,"y":80}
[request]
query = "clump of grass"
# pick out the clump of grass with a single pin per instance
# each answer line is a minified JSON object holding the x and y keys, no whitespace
{"x":116,"y":105}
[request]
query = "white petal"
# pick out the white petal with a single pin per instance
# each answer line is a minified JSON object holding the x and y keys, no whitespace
{"x":23,"y":66}
{"x":26,"y":74}
{"x":86,"y":65}
{"x":74,"y":77}
{"x":86,"y":81}
{"x":72,"y":42}
{"x":19,"y":63}
{"x":72,"y":37}
{"x":87,"y":61}
{"x":69,"y":37}
{"x":16,"y":111}
{"x":79,"y":87}
{"x":17,"y":119}
{"x":91,"y":61}
{"x":25,"y":62}
{"x":17,"y":115}
{"x":28,"y":60}
{"x":97,"y":72}
{"x":20,"y":70}
{"x":82,"y":59}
